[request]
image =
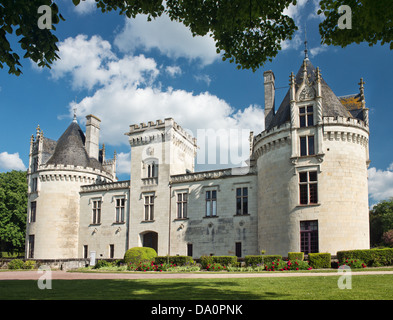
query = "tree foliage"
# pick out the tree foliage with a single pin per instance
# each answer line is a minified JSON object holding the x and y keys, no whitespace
{"x":246,"y":32}
{"x":13,"y":210}
{"x":381,"y":221}
{"x":372,"y":22}
{"x":20,"y":17}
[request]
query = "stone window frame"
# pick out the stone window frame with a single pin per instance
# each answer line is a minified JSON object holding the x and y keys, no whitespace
{"x":181,"y":204}
{"x":242,"y":197}
{"x":308,"y":184}
{"x":211,"y":203}
{"x":33,"y":211}
{"x":120,"y":216}
{"x":150,"y":168}
{"x":307,"y":139}
{"x":148,"y":207}
{"x":307,"y":115}
{"x":96,"y":210}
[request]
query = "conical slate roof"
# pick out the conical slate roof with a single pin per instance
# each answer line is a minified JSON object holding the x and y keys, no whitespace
{"x":70,"y":149}
{"x":331,"y":105}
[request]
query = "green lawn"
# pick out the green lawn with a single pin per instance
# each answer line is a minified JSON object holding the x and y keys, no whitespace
{"x":366,"y":287}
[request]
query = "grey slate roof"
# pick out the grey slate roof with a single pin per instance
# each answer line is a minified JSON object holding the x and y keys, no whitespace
{"x":331,"y":105}
{"x":70,"y":149}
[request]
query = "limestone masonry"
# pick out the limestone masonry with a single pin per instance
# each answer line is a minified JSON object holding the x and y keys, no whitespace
{"x":305,"y":188}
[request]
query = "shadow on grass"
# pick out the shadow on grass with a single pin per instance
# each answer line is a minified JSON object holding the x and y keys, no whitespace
{"x":163,"y":289}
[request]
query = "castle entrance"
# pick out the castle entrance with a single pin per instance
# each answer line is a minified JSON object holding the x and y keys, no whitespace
{"x":150,"y":239}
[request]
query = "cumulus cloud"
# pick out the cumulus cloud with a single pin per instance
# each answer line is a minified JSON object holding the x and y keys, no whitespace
{"x":11,"y":161}
{"x":127,"y":91}
{"x":85,"y":7}
{"x":171,"y":38}
{"x":173,"y":71}
{"x":380,"y":183}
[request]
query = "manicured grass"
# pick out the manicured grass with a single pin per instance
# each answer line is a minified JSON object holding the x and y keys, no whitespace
{"x":364,"y":287}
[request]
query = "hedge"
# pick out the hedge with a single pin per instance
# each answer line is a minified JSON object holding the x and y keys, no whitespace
{"x":319,"y":260}
{"x":139,"y":254}
{"x":178,"y":260}
{"x":260,"y":259}
{"x":296,"y":255}
{"x":371,"y":257}
{"x":222,"y":260}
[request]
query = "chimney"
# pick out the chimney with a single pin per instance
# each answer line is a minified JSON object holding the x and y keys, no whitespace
{"x":269,"y":79}
{"x":92,"y":136}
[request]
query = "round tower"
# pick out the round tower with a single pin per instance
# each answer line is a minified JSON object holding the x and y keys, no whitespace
{"x":56,"y":172}
{"x":312,"y":161}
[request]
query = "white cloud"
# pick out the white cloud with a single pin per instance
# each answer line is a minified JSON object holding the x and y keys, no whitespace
{"x":11,"y":161}
{"x":131,"y":94}
{"x":173,"y":71}
{"x":85,"y":7}
{"x":203,"y":78}
{"x":171,"y":38}
{"x":123,"y":163}
{"x":317,"y":50}
{"x":380,"y":183}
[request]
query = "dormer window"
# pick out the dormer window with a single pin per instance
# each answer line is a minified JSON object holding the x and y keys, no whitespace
{"x":306,"y":116}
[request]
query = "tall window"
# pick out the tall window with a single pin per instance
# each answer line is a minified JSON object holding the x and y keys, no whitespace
{"x":111,"y":251}
{"x":211,"y":203}
{"x":306,"y":116}
{"x":97,"y":211}
{"x":149,"y":207}
{"x":33,"y":211}
{"x":120,"y":206}
{"x":238,"y":249}
{"x":85,"y":251}
{"x":309,"y":236}
{"x":34,"y":185}
{"x":34,"y":165}
{"x":30,"y":251}
{"x":308,"y":187}
{"x":182,"y":205}
{"x":241,"y":201}
{"x":307,"y":146}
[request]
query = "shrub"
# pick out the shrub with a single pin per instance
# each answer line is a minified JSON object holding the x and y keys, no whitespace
{"x":254,"y":260}
{"x":139,"y":254}
{"x":29,"y":264}
{"x":16,"y":264}
{"x":319,"y":260}
{"x":281,"y":265}
{"x":296,"y":255}
{"x":371,"y":257}
{"x":102,"y":264}
{"x":178,"y":260}
{"x":222,"y":260}
{"x":353,"y":263}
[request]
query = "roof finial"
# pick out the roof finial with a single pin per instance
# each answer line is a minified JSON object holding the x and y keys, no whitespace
{"x":75,"y":116}
{"x":305,"y":42}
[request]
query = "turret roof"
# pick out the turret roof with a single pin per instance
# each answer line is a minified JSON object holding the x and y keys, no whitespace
{"x":70,"y":149}
{"x":331,"y":104}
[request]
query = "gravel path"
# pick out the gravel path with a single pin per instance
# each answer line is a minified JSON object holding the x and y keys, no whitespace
{"x":35,"y":275}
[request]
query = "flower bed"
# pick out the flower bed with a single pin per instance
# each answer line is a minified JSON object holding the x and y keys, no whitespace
{"x":353,"y":263}
{"x":281,"y":265}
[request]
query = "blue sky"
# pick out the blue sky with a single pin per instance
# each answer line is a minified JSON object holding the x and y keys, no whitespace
{"x":130,"y":71}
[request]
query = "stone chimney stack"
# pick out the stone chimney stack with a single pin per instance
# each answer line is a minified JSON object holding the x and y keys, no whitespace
{"x":269,"y":80}
{"x":92,"y":136}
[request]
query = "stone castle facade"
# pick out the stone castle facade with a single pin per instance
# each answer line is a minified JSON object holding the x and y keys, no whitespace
{"x":305,"y":188}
